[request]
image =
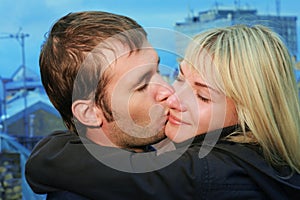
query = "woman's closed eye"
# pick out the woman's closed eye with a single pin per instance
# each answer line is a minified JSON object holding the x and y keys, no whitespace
{"x":202,"y":98}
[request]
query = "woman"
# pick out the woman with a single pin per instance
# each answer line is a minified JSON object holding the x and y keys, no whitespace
{"x":247,"y":72}
{"x":236,"y":105}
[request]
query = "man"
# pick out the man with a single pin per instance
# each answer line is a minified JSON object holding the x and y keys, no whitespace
{"x":112,"y":67}
{"x":101,"y":74}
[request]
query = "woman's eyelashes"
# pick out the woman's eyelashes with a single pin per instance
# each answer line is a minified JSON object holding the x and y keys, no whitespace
{"x":204,"y":99}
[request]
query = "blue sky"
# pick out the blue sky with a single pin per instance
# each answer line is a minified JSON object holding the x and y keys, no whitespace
{"x":35,"y":17}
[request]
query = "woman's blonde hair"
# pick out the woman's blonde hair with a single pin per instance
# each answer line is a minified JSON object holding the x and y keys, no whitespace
{"x":252,"y":66}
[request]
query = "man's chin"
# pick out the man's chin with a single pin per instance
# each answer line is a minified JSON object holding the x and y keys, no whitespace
{"x":142,"y":142}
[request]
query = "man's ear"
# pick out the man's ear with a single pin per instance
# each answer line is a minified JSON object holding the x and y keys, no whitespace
{"x":85,"y":111}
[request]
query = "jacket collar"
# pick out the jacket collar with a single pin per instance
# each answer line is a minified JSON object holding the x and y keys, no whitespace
{"x":219,"y":133}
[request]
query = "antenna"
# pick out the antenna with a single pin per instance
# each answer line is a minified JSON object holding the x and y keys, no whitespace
{"x":2,"y":106}
{"x":278,"y":7}
{"x":217,"y":5}
{"x":237,"y":4}
{"x":20,"y":37}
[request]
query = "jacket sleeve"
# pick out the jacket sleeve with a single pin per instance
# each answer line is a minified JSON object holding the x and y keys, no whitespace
{"x":64,"y":163}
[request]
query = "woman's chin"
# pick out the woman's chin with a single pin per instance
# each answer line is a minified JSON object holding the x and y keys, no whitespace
{"x":177,"y":133}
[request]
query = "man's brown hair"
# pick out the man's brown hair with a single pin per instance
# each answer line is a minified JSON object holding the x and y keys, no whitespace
{"x":69,"y":42}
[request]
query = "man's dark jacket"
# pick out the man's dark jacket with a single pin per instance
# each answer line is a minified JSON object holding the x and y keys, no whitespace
{"x":61,"y":166}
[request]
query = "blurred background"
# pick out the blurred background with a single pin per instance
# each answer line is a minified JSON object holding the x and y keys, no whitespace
{"x":26,"y":114}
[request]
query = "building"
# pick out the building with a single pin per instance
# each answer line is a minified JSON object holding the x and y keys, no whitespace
{"x":25,"y":110}
{"x":13,"y":184}
{"x":285,"y":26}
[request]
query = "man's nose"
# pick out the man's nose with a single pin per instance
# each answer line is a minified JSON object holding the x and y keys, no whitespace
{"x":164,"y":91}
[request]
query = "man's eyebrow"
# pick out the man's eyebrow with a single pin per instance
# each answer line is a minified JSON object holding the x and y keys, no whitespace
{"x":146,"y":76}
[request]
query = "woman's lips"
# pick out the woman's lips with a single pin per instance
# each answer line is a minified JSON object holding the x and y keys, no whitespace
{"x":175,"y":120}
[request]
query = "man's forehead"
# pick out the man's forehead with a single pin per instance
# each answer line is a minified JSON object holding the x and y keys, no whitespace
{"x":114,"y":49}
